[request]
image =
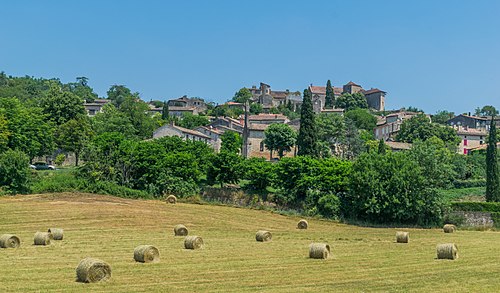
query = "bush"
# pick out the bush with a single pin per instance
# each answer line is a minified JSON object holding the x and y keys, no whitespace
{"x":329,"y":206}
{"x":14,"y":172}
{"x":469,"y":183}
{"x":493,"y":207}
{"x":259,"y":173}
{"x":60,"y":160}
{"x":173,"y":185}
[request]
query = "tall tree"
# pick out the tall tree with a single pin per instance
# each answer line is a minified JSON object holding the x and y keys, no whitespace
{"x":231,"y":142}
{"x":329,"y":98}
{"x":73,"y":135}
{"x":242,"y":96}
{"x":487,"y":110}
{"x":118,"y":93}
{"x":350,"y":102}
{"x":61,"y":106}
{"x":165,"y":113}
{"x":279,"y":137}
{"x":307,"y":141}
{"x":492,"y":174}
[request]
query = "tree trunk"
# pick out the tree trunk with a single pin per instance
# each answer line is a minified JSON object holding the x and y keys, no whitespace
{"x":76,"y":158}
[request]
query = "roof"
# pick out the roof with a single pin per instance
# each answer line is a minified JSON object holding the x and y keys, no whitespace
{"x":267,"y":117}
{"x":472,"y":131}
{"x":469,"y":116}
{"x":403,"y":113}
{"x":190,"y":131}
{"x":398,"y":145}
{"x":352,"y":83}
{"x":335,"y":110}
{"x":181,"y":99}
{"x":259,"y":127}
{"x":321,"y":90}
{"x":279,"y":94}
{"x":373,"y":91}
{"x":175,"y":108}
{"x":211,"y":129}
{"x":482,"y":147}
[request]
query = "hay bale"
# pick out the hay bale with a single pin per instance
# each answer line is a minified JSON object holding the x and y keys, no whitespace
{"x":319,"y":250}
{"x":447,"y":251}
{"x":42,"y":238}
{"x":402,"y":237}
{"x":263,"y":236}
{"x":91,"y":270}
{"x":302,"y":224}
{"x":193,"y":242}
{"x":180,"y":230}
{"x":171,"y":199}
{"x":9,"y":241}
{"x":146,"y":253}
{"x":57,"y":233}
{"x":449,"y":228}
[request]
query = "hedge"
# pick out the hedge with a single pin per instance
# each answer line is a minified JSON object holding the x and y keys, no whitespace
{"x":469,"y":183}
{"x":492,"y":207}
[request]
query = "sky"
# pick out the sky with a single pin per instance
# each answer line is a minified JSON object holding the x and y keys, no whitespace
{"x":434,"y":55}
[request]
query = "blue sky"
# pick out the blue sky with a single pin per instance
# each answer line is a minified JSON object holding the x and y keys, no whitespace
{"x":429,"y":54}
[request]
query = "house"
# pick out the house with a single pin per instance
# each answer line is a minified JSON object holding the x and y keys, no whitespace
{"x":265,"y":119}
{"x":214,"y":134}
{"x":334,"y":111}
{"x":226,"y":123}
{"x":470,"y":138}
{"x":256,"y":147}
{"x":184,"y":133}
{"x":179,"y":111}
{"x":484,"y":146}
{"x":185,"y":102}
{"x":375,"y":98}
{"x":468,"y":121}
{"x":398,"y":146}
{"x":318,"y":95}
{"x":389,"y":125}
{"x":273,"y":99}
{"x":96,"y":106}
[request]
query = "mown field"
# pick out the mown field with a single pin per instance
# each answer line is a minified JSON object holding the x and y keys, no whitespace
{"x":109,"y":228}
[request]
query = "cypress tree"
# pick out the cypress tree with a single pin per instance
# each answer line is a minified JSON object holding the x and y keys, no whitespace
{"x":492,"y":175}
{"x":329,"y":95}
{"x":381,"y":146}
{"x":307,"y":141}
{"x":164,"y":112}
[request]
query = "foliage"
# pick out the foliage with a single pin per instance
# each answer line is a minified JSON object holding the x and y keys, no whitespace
{"x":28,"y":128}
{"x":487,"y":110}
{"x":442,"y":116}
{"x":61,"y":106}
{"x":14,"y":172}
{"x":492,"y":172}
{"x":137,"y":112}
{"x":192,"y":121}
{"x":307,"y":140}
{"x":73,"y":135}
{"x":388,"y":188}
{"x":165,"y":114}
{"x":419,"y":127}
{"x":279,"y":137}
{"x":476,"y":206}
{"x":231,"y":142}
{"x":259,"y":173}
{"x":362,"y":119}
{"x":81,"y":89}
{"x":256,"y":108}
{"x":60,"y":160}
{"x":4,"y":132}
{"x":242,"y":96}
{"x":351,"y":101}
{"x":329,"y":206}
{"x":225,"y":111}
{"x":414,"y":109}
{"x":118,"y":93}
{"x":225,"y":168}
{"x":330,"y":97}
{"x":469,"y":183}
{"x":110,"y":119}
{"x":331,"y":132}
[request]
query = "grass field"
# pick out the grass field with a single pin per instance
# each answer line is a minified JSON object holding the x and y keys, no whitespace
{"x":109,"y":228}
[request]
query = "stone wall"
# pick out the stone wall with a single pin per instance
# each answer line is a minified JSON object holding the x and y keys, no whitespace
{"x":475,"y":219}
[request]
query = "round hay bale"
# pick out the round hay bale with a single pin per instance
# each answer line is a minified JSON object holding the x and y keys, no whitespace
{"x":449,"y":228}
{"x":42,"y":238}
{"x":447,"y":251}
{"x":402,"y":237}
{"x":57,"y":233}
{"x":171,"y":199}
{"x":193,"y":242}
{"x":302,"y":224}
{"x":263,"y":236}
{"x":180,"y":230}
{"x":9,"y":241}
{"x":146,"y":253}
{"x":319,"y":250}
{"x":91,"y":270}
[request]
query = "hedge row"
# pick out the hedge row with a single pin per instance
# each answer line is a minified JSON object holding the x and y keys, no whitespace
{"x":493,"y":207}
{"x":469,"y":183}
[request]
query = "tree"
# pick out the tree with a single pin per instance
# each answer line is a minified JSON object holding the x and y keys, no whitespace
{"x":331,"y":132}
{"x":4,"y":132}
{"x":226,"y":167}
{"x":259,"y":173}
{"x":307,"y":140}
{"x":73,"y":135}
{"x":110,"y":119}
{"x":118,"y":93}
{"x":492,"y":174}
{"x":362,"y":119}
{"x":419,"y":127}
{"x":165,"y":115}
{"x":279,"y":137}
{"x":61,"y":106}
{"x":82,"y":89}
{"x":330,"y":97}
{"x":231,"y":142}
{"x":414,"y":109}
{"x":192,"y":121}
{"x":242,"y":96}
{"x":256,"y":108}
{"x":382,"y":148}
{"x":14,"y":172}
{"x":350,"y":102}
{"x":487,"y":110}
{"x":137,"y":112}
{"x":441,"y":117}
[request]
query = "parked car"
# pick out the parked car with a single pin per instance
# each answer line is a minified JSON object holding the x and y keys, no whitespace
{"x":42,"y":166}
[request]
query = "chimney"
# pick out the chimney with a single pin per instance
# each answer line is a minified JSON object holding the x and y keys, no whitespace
{"x":469,"y":113}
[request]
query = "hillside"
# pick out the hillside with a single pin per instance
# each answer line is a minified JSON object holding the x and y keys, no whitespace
{"x":109,"y":228}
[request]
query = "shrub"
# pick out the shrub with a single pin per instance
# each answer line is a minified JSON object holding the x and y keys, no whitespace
{"x":60,"y":160}
{"x":329,"y":206}
{"x":469,"y":183}
{"x":476,"y":206}
{"x":259,"y":173}
{"x":14,"y":172}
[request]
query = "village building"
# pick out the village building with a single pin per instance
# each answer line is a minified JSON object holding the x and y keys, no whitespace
{"x":388,"y":126}
{"x":184,"y":133}
{"x":470,"y":138}
{"x":195,"y":105}
{"x":468,"y":121}
{"x":96,"y":106}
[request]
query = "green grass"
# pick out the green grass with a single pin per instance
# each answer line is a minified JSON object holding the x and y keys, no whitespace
{"x":464,"y":194}
{"x":109,"y":228}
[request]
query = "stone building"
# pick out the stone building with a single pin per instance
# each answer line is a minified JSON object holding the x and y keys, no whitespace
{"x":184,"y":133}
{"x":96,"y":106}
{"x":197,"y":104}
{"x":388,"y":126}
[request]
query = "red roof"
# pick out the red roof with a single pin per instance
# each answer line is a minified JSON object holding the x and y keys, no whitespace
{"x":267,"y":117}
{"x":321,"y":90}
{"x":352,"y":83}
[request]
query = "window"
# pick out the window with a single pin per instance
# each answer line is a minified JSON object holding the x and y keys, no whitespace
{"x":465,"y":142}
{"x":261,"y":146}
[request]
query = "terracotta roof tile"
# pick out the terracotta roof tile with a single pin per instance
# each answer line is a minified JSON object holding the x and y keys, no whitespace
{"x":372,"y":91}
